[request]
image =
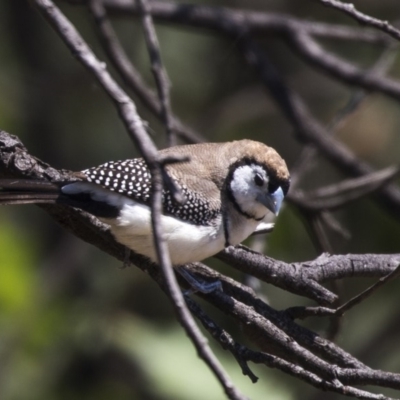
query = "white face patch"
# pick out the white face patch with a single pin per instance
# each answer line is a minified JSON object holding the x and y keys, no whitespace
{"x":245,"y":190}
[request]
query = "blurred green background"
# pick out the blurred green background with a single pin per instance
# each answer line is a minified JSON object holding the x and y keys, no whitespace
{"x":73,"y":324}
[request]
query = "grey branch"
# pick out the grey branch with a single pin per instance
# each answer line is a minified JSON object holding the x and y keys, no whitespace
{"x":362,"y":18}
{"x":130,"y":74}
{"x":339,"y":194}
{"x":159,"y":72}
{"x":255,"y":22}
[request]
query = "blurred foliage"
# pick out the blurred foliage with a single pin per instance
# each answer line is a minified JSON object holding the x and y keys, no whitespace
{"x":74,"y":326}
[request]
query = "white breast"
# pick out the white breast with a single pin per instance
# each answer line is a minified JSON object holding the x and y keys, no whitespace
{"x":186,"y":242}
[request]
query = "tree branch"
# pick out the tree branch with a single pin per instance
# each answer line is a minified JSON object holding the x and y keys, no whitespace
{"x":255,"y":22}
{"x":364,"y":19}
{"x":159,"y":72}
{"x":130,"y":74}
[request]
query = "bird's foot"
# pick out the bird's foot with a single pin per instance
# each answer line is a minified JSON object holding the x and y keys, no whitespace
{"x":196,"y":285}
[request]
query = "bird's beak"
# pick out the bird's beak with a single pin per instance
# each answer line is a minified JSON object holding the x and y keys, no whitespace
{"x":272,"y":201}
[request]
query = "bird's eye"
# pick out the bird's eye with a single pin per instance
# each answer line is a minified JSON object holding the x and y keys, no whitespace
{"x":258,"y":179}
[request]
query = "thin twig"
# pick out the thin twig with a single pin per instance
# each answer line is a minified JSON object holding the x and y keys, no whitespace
{"x":305,"y":45}
{"x":158,"y":69}
{"x":309,"y":152}
{"x":340,"y":194}
{"x":351,"y":11}
{"x":130,"y":74}
{"x":305,"y":312}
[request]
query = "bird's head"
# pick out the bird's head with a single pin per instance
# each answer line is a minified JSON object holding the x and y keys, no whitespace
{"x":258,"y":180}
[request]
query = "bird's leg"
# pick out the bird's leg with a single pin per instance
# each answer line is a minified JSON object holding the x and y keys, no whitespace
{"x":196,"y":285}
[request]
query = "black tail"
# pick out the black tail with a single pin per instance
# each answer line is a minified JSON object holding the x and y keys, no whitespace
{"x":24,"y":191}
{"x":86,"y":196}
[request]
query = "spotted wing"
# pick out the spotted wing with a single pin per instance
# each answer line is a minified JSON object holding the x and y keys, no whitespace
{"x":131,"y":178}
